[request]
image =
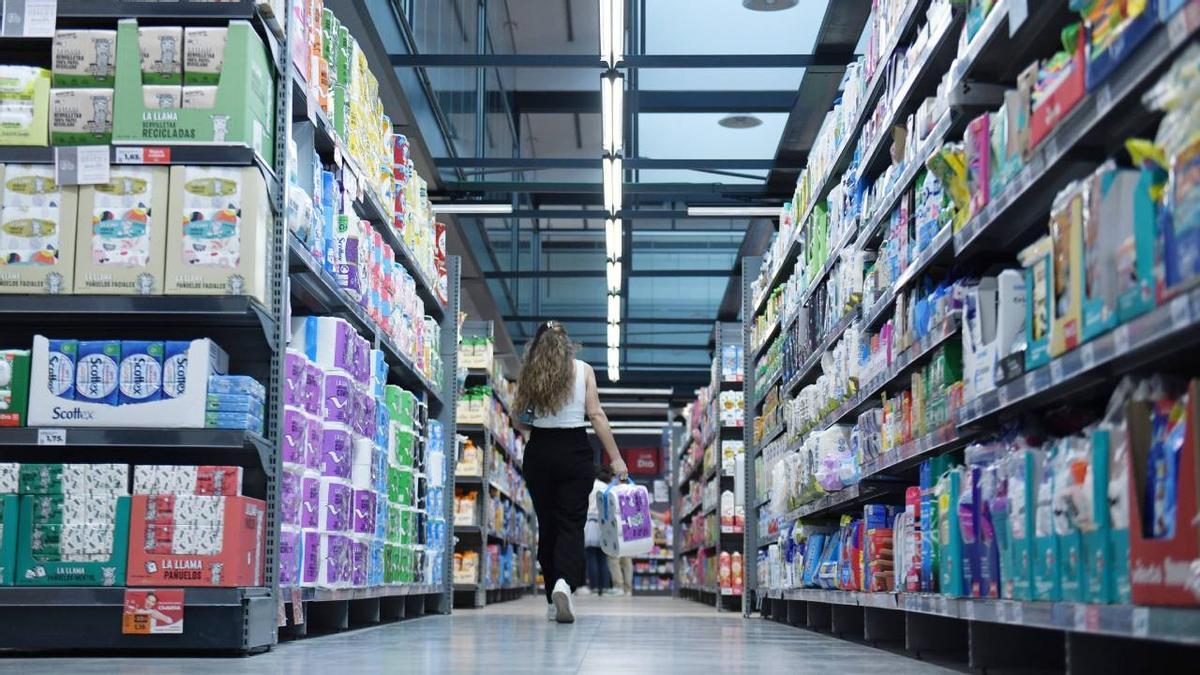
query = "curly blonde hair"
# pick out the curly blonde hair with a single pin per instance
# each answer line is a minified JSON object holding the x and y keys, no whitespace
{"x":548,"y":371}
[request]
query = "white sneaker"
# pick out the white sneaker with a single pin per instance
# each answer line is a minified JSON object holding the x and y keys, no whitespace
{"x":563,"y":602}
{"x":551,"y":612}
{"x":583,"y":590}
{"x":617,"y":592}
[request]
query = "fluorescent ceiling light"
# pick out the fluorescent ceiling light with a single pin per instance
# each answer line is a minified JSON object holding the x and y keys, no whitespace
{"x":641,"y":431}
{"x":734,"y":211}
{"x":612,"y":238}
{"x":628,"y":424}
{"x":614,"y":308}
{"x":614,"y":335}
{"x":633,"y":391}
{"x":612,"y":31}
{"x":612,"y":184}
{"x":472,"y":208}
{"x":638,"y":405}
{"x":612,"y":112}
{"x":614,"y":276}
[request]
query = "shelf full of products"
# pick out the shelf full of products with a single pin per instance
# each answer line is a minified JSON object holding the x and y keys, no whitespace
{"x":1004,"y":435}
{"x":192,"y":408}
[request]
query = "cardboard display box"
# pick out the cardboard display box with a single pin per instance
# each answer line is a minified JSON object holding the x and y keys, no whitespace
{"x":46,"y":569}
{"x":122,"y":233}
{"x":239,"y":561}
{"x":37,"y":230}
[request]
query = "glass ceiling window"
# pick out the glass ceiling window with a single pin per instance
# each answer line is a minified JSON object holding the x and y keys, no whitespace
{"x":701,"y":136}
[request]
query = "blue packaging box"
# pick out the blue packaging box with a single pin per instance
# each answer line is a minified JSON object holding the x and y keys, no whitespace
{"x":141,"y":372}
{"x":234,"y":403}
{"x":96,"y":372}
{"x":63,"y":356}
{"x":232,"y":420}
{"x":174,"y":372}
{"x":241,"y":385}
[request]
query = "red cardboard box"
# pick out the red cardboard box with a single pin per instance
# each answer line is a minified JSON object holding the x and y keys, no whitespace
{"x":1052,"y":109}
{"x":239,"y":563}
{"x":1160,"y":569}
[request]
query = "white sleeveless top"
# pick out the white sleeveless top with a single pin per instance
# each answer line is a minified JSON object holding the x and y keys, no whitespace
{"x":572,"y":414}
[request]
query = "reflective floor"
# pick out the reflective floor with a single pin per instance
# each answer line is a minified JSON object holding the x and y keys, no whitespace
{"x":630,"y":636}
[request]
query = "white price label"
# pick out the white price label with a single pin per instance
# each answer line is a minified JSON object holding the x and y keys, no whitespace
{"x":970,"y":605}
{"x":1177,"y":29}
{"x":1016,"y":612}
{"x":1088,"y":354}
{"x":1051,"y":148}
{"x":1140,"y":621}
{"x":128,"y":155}
{"x":82,"y":165}
{"x":29,"y":18}
{"x":1121,"y":339}
{"x":1056,"y":371}
{"x":1103,"y":98}
{"x":52,"y":437}
{"x":1018,"y":11}
{"x":1080,"y":617}
{"x":1181,"y":312}
{"x":1002,"y":394}
{"x":337,"y":155}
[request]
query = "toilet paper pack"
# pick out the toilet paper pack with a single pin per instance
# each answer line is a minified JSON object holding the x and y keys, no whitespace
{"x":360,"y":561}
{"x":329,"y":342}
{"x":310,"y":502}
{"x":290,"y":492}
{"x":291,"y":554}
{"x":293,"y":378}
{"x":362,"y":464}
{"x":62,"y":359}
{"x":339,"y":388}
{"x":327,"y":560}
{"x":293,"y":446}
{"x":314,"y":389}
{"x":84,"y":58}
{"x":336,"y":505}
{"x":122,"y":232}
{"x":363,"y":521}
{"x":337,"y":448}
{"x":97,"y":371}
{"x":313,"y":442}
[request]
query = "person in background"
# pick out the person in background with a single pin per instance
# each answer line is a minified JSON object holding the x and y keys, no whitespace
{"x":598,"y":576}
{"x":557,"y":397}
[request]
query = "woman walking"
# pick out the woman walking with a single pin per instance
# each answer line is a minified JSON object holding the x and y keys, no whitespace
{"x":557,"y":393}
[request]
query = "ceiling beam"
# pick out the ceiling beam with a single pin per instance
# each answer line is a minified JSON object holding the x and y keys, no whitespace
{"x":663,"y":320}
{"x":567,"y":101}
{"x":595,"y":163}
{"x":509,"y":187}
{"x":651,"y":346}
{"x":599,"y":215}
{"x":630,"y":62}
{"x":600,"y":274}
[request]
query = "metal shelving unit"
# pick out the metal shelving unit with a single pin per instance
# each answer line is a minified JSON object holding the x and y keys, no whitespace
{"x":993,"y":633}
{"x":223,"y":619}
{"x":477,"y":536}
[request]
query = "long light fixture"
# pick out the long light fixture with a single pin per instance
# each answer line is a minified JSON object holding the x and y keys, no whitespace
{"x":611,"y":167}
{"x":614,"y":276}
{"x":612,"y":31}
{"x":613,"y":236}
{"x":634,"y":391}
{"x":614,"y":364}
{"x":614,"y":308}
{"x":612,"y":111}
{"x":614,"y":335}
{"x":734,"y":211}
{"x":473,"y":208}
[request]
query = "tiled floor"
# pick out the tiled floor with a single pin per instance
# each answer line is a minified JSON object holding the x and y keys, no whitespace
{"x":629,"y":636}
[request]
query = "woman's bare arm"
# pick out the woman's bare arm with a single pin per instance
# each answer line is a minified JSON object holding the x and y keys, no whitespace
{"x":599,"y":422}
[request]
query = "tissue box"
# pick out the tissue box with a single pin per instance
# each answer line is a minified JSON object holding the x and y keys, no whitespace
{"x":161,"y":52}
{"x":203,"y":54}
{"x":78,"y":508}
{"x":236,"y":556}
{"x":9,"y":526}
{"x":218,"y":241}
{"x":237,"y":385}
{"x":81,"y":116}
{"x":122,"y":233}
{"x":54,"y":479}
{"x":41,"y":562}
{"x":37,"y":229}
{"x":225,"y":481}
{"x":84,"y":58}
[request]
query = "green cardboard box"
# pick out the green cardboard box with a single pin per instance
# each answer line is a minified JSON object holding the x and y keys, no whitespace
{"x":14,"y":390}
{"x":9,"y":525}
{"x":244,"y":113}
{"x":34,"y":568}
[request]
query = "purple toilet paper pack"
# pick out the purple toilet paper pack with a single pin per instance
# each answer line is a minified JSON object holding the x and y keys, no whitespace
{"x":360,"y":561}
{"x":338,"y":396}
{"x":294,"y":366}
{"x":327,"y":560}
{"x":337,"y":451}
{"x":364,"y":512}
{"x":310,"y":502}
{"x":293,"y":449}
{"x":291,"y":546}
{"x":337,"y":505}
{"x":290,"y":495}
{"x":312,"y":399}
{"x":313,"y":441}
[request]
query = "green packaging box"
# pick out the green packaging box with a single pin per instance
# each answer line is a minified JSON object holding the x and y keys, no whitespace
{"x":9,"y":525}
{"x":244,"y":113}
{"x":38,"y":570}
{"x":14,"y":389}
{"x":950,"y":562}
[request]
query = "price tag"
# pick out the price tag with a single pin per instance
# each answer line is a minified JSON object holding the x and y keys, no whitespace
{"x":1017,"y":612}
{"x":1080,"y":617}
{"x":52,"y":437}
{"x":153,"y":611}
{"x":1121,"y":339}
{"x":1002,"y":395}
{"x":1177,"y":29}
{"x":337,"y":155}
{"x":1103,"y":98}
{"x":1056,"y":371}
{"x":29,"y":18}
{"x":82,"y":165}
{"x":1140,"y":621}
{"x":1087,"y":353}
{"x":1018,"y":11}
{"x":970,"y":605}
{"x":127,"y":155}
{"x":1181,"y":312}
{"x":1051,"y":148}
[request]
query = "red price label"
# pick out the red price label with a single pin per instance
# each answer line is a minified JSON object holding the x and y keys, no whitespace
{"x":152,"y":612}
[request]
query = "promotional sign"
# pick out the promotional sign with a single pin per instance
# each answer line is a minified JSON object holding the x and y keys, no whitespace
{"x":152,"y":611}
{"x":642,"y":461}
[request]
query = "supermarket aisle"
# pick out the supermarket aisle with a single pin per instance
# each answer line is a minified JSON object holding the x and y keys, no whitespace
{"x":630,"y":636}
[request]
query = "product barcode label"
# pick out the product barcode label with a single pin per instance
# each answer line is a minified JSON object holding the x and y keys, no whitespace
{"x":1087,"y":354}
{"x":1140,"y":621}
{"x":1181,"y":312}
{"x":52,"y":437}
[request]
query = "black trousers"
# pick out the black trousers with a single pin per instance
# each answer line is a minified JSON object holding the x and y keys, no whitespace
{"x":559,"y":472}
